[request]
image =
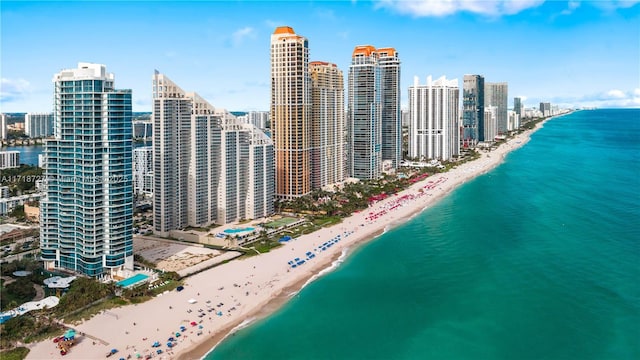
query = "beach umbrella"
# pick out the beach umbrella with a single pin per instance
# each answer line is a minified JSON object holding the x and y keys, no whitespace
{"x":138,"y":355}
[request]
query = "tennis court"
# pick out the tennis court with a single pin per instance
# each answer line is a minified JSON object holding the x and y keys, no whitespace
{"x":280,"y":222}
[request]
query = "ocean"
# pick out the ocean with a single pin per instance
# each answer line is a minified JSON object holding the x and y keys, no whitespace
{"x":537,"y":259}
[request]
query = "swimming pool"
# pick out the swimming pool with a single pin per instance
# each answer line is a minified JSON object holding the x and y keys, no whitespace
{"x":234,"y":231}
{"x":132,"y":280}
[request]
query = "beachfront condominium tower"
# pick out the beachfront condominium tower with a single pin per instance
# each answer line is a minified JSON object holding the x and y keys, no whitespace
{"x":38,"y":125}
{"x":472,"y":110}
{"x":364,"y":114}
{"x":207,"y":164}
{"x":545,"y":109}
{"x":291,"y":112}
{"x":434,"y":130}
{"x":171,"y":116}
{"x":490,"y":123}
{"x":496,"y":94}
{"x":389,"y":63}
{"x":327,"y":124}
{"x":87,"y":214}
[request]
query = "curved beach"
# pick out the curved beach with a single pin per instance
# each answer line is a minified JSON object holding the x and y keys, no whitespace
{"x":235,"y":293}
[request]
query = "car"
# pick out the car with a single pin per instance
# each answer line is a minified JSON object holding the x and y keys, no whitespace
{"x":180,"y":288}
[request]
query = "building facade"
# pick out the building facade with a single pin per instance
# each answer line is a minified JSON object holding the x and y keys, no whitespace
{"x":291,"y":112}
{"x":258,"y":118}
{"x":545,"y":109}
{"x":3,"y":126}
{"x":497,"y":94}
{"x":205,"y":163}
{"x":389,"y":62}
{"x":143,"y":171}
{"x":513,"y":122}
{"x":142,"y":129}
{"x":327,"y":124}
{"x":37,"y":125}
{"x":260,"y":174}
{"x":472,"y":110}
{"x":434,"y":125}
{"x":518,"y":106}
{"x":490,"y":124}
{"x":87,"y":214}
{"x":364,"y":114}
{"x":9,"y":159}
{"x":171,"y":116}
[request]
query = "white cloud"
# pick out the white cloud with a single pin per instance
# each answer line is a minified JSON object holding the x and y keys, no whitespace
{"x":13,"y":89}
{"x":609,"y":99}
{"x":239,"y":35}
{"x":614,"y":4}
{"x":448,"y":7}
{"x":616,"y":94}
{"x":571,"y":6}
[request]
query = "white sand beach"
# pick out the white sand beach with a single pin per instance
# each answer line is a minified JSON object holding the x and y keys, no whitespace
{"x":241,"y":290}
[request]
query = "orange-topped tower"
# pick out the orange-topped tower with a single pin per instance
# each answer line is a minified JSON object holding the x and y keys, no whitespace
{"x":373,"y":112}
{"x":291,"y":112}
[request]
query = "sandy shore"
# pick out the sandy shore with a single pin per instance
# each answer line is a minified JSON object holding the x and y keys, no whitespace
{"x":240,"y":291}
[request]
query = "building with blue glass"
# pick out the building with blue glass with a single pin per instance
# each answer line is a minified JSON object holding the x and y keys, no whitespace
{"x":87,"y":213}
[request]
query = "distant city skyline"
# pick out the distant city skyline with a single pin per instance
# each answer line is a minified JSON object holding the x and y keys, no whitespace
{"x":569,"y":53}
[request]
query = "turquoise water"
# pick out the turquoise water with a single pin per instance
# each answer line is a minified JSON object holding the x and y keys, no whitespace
{"x":234,"y":231}
{"x":132,"y":280}
{"x":538,"y":259}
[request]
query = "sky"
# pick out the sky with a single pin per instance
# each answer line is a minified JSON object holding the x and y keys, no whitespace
{"x":569,"y":53}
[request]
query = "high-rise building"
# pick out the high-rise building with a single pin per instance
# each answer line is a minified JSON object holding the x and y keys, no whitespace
{"x":490,"y":123}
{"x":143,"y":170}
{"x":404,"y":114}
{"x":472,"y":110}
{"x":142,"y":129}
{"x":3,"y":126}
{"x":327,"y":124}
{"x":496,"y":94}
{"x":291,"y":112}
{"x":38,"y":125}
{"x":260,"y":174}
{"x":434,"y":130}
{"x":389,"y":63}
{"x":87,"y":215}
{"x":513,"y":123}
{"x":9,"y":159}
{"x":545,"y":109}
{"x":364,"y":114}
{"x":171,"y":116}
{"x":518,"y":106}
{"x":208,"y":166}
{"x":258,"y":118}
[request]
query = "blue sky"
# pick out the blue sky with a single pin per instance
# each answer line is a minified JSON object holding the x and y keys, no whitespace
{"x":572,"y":53}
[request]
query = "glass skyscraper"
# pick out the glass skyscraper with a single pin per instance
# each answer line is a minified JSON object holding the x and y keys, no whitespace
{"x":87,"y":214}
{"x":364,"y":114}
{"x":472,"y":110}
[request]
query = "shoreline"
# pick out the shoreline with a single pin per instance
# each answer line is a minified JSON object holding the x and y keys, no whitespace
{"x":254,"y":288}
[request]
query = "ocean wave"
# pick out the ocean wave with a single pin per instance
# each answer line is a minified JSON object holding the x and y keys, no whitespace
{"x":334,"y":265}
{"x":237,"y":328}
